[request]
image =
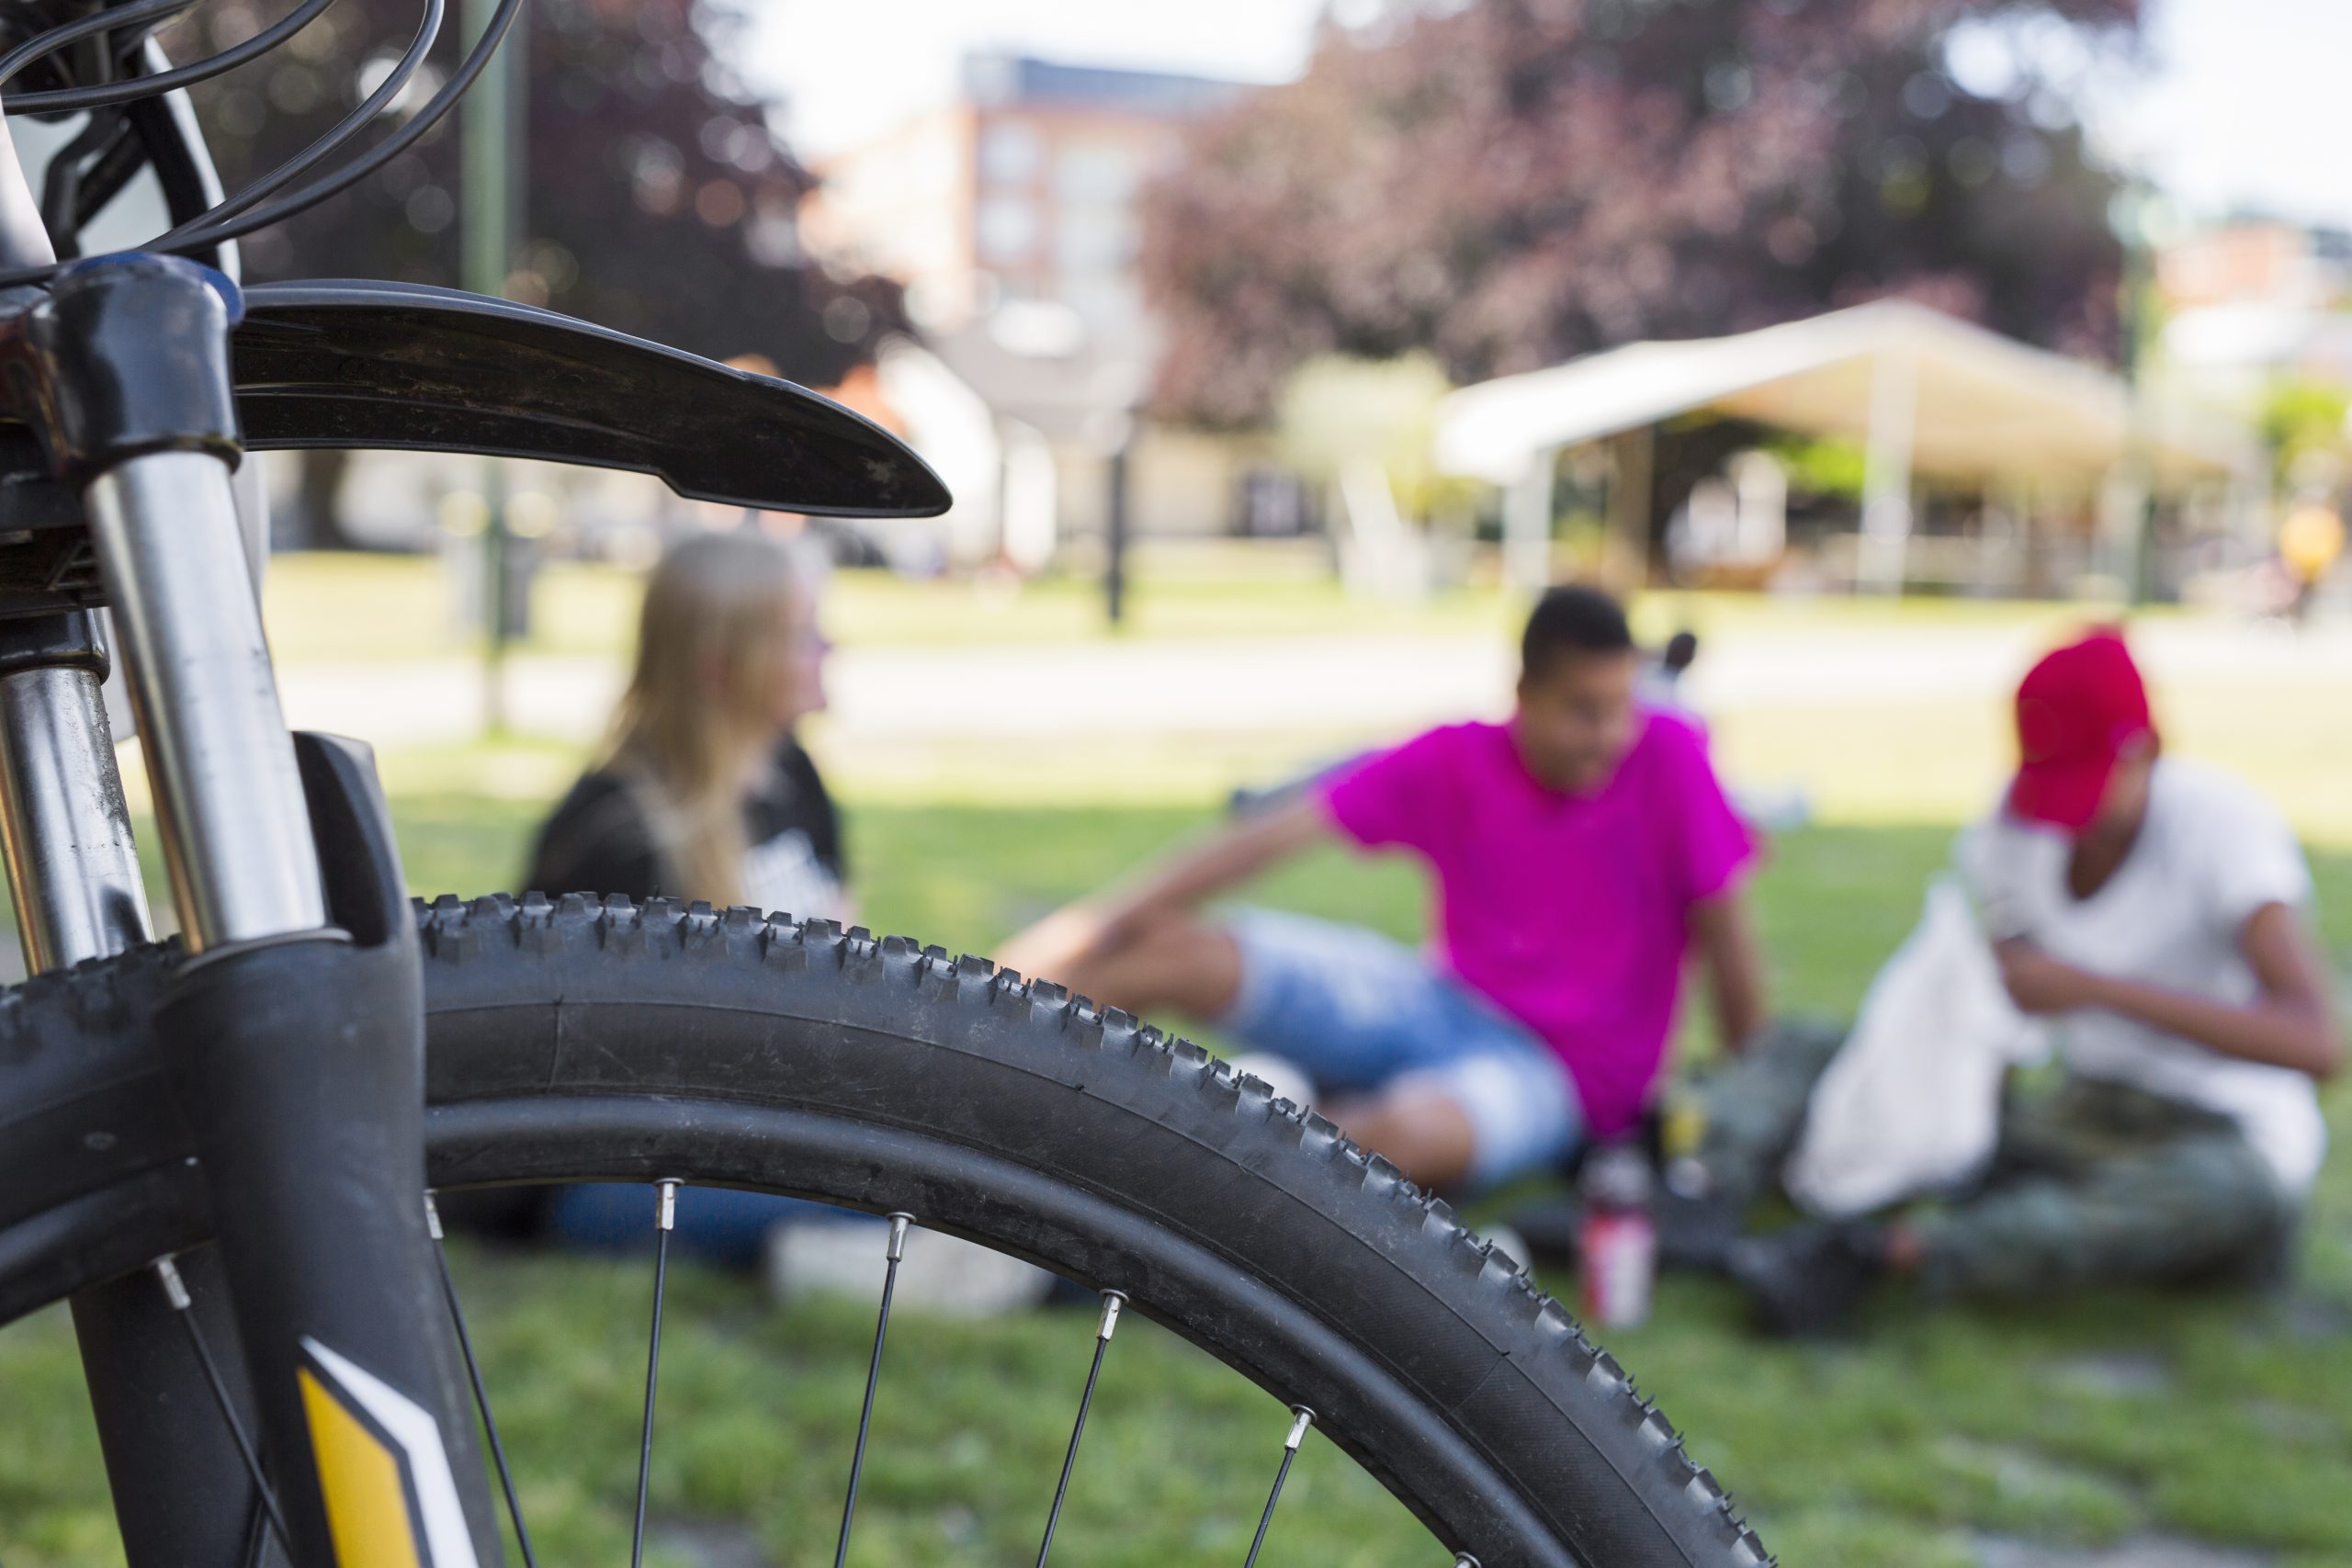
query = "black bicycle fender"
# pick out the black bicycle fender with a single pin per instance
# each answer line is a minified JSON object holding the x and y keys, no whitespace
{"x":368,"y":364}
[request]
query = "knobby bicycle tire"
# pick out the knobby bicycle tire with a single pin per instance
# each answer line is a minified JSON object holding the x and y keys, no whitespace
{"x":578,"y":1040}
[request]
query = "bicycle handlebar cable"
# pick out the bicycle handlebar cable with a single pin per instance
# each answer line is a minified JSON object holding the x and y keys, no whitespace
{"x":61,"y":100}
{"x":336,"y":136}
{"x":42,"y":45}
{"x":376,"y":157}
{"x":223,"y":222}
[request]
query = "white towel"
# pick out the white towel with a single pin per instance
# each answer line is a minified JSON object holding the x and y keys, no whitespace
{"x":1912,"y":1101}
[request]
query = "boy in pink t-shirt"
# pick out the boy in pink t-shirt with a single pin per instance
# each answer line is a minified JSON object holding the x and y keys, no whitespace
{"x":1577,"y":853}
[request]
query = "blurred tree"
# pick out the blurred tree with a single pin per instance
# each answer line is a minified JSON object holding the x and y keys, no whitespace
{"x":1826,"y":465}
{"x":2303,"y":423}
{"x":1510,"y":183}
{"x":657,"y":199}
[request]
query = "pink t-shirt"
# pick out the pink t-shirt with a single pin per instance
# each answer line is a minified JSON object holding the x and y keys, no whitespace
{"x":1568,"y":913}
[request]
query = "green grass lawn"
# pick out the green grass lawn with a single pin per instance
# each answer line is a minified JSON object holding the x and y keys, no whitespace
{"x":2091,"y":1421}
{"x":2218,"y":1416}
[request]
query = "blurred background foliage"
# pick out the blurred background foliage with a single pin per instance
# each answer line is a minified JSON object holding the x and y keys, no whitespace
{"x":1509,"y":184}
{"x":659,"y":200}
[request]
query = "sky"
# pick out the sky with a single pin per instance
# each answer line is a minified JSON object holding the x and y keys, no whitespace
{"x":2243,"y":104}
{"x":2247,"y":106}
{"x":852,"y":69}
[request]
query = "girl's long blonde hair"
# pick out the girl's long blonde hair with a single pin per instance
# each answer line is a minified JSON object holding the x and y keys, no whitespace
{"x":716,"y":642}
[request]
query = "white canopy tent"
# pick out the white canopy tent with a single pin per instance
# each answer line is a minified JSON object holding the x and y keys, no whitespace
{"x":1927,"y":394}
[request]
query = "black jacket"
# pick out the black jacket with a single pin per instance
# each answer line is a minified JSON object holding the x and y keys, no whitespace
{"x":599,"y":841}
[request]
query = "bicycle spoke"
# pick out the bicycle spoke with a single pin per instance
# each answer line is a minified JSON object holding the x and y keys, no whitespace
{"x":482,"y":1394}
{"x":897,"y":1250}
{"x":1302,"y":1419}
{"x":175,"y":1292}
{"x":1112,"y":1301}
{"x":665,"y":1215}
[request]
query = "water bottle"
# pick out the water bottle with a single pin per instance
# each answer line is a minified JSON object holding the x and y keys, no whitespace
{"x":1618,"y":1239}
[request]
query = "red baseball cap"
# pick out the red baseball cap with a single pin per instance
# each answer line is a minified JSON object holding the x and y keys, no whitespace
{"x":2076,"y":710}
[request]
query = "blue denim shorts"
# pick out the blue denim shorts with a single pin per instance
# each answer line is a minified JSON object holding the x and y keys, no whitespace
{"x":1357,"y":1012}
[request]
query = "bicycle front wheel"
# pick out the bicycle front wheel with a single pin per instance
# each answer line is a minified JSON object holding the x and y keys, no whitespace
{"x":577,"y":1041}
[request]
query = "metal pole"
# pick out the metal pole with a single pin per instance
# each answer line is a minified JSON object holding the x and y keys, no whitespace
{"x":2135,"y":568}
{"x":1527,"y":524}
{"x":492,"y":126}
{"x":496,"y":544}
{"x":1625,"y":555}
{"x":1879,"y":559}
{"x":1114,"y":565}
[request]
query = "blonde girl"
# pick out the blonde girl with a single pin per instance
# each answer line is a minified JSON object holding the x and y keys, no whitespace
{"x":703,"y":792}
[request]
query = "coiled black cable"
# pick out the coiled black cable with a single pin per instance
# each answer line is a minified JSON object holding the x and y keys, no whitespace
{"x":110,"y":19}
{"x":392,"y":146}
{"x":239,"y":215}
{"x":61,"y":100}
{"x":336,"y":136}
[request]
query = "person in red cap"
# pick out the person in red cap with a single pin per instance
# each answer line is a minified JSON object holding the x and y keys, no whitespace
{"x":2155,"y":912}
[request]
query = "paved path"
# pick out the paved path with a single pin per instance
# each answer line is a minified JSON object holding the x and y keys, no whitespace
{"x":2134,"y":1552}
{"x":1375,"y":685}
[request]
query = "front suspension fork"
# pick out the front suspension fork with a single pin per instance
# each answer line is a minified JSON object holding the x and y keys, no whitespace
{"x":295,"y":1032}
{"x":181,"y":1492}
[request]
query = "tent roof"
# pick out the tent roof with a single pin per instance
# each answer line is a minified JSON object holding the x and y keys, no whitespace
{"x":1987,"y":406}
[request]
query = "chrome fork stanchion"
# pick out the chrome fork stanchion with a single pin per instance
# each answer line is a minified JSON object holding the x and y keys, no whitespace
{"x":64,"y":830}
{"x":229,"y":798}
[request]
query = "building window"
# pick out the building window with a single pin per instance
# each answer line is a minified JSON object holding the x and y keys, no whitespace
{"x":1092,"y":169}
{"x":1011,"y":153}
{"x":1007,"y":228}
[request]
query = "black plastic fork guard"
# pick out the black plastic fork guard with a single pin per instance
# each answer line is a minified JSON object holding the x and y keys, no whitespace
{"x":402,"y":367}
{"x":297,"y":1066}
{"x":398,"y":365}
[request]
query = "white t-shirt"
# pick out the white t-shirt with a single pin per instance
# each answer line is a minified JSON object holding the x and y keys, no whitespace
{"x":2211,"y":853}
{"x":785,"y":873}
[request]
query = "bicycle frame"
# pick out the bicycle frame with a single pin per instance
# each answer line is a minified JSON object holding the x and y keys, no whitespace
{"x":299,"y":1041}
{"x":73,"y":877}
